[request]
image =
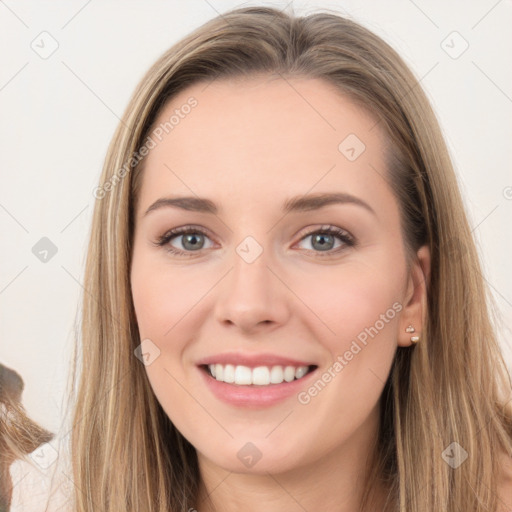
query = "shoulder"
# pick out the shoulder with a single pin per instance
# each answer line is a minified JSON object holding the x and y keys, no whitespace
{"x":505,"y":482}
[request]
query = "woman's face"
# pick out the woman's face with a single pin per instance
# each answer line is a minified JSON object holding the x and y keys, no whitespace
{"x":259,"y":283}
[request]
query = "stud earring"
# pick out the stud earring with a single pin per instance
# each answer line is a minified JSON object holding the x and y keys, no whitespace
{"x":414,"y":339}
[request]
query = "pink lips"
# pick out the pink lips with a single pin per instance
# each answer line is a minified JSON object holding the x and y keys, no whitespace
{"x":252,"y":360}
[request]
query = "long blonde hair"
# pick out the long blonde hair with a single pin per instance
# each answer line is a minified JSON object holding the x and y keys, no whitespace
{"x":451,"y":387}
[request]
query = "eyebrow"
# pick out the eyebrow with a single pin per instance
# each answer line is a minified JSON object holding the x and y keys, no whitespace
{"x":295,"y":204}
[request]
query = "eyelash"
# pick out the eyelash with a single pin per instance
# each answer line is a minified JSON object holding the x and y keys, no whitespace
{"x":343,"y":235}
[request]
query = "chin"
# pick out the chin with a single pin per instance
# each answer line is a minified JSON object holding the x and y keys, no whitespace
{"x":250,"y":458}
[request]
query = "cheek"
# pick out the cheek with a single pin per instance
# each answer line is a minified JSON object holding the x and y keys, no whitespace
{"x":167,"y":301}
{"x":352,"y":299}
{"x":361,"y":307}
{"x":161,"y":298}
{"x":161,"y":303}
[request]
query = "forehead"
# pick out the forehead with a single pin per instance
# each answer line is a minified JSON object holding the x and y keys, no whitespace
{"x":262,"y":134}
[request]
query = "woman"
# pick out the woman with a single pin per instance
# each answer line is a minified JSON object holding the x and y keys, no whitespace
{"x":329,"y":344}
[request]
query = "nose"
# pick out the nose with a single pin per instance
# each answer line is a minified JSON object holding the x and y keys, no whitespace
{"x":252,"y":296}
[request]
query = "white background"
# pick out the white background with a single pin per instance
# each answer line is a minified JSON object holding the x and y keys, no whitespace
{"x":57,"y":116}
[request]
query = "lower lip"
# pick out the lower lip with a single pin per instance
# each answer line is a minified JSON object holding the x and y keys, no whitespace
{"x":254,"y":396}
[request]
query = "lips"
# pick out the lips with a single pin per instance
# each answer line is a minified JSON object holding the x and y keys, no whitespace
{"x":253,"y":360}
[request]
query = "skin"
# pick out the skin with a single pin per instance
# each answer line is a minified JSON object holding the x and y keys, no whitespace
{"x":264,"y":141}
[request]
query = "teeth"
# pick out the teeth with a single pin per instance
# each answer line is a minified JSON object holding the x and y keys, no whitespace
{"x":259,"y":376}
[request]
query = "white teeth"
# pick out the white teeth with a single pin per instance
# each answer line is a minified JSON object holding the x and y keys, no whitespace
{"x":219,"y":372}
{"x":259,"y":376}
{"x":289,"y":373}
{"x":229,"y":373}
{"x":243,"y":375}
{"x":276,"y":375}
{"x":301,"y":371}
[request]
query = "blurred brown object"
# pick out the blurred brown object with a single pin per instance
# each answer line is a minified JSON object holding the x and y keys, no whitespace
{"x":19,"y":435}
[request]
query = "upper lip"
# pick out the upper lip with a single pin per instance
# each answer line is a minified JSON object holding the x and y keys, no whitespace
{"x":252,"y":360}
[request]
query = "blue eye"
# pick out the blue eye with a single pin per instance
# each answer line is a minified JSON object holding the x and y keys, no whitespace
{"x":193,"y":237}
{"x":324,"y":240}
{"x":193,"y":240}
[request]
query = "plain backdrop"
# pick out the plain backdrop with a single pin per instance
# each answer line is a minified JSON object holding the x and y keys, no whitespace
{"x":67,"y":70}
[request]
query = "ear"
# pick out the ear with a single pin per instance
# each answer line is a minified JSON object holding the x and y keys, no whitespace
{"x":415,"y":299}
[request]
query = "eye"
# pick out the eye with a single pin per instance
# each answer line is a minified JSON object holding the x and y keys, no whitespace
{"x":323,"y":240}
{"x":192,"y":240}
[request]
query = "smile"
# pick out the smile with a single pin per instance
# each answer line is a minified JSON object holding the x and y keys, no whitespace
{"x":259,"y":376}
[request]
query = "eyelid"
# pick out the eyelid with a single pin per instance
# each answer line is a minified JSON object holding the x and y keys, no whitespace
{"x":329,"y":228}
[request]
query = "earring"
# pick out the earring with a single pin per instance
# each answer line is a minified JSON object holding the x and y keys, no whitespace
{"x":414,"y":339}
